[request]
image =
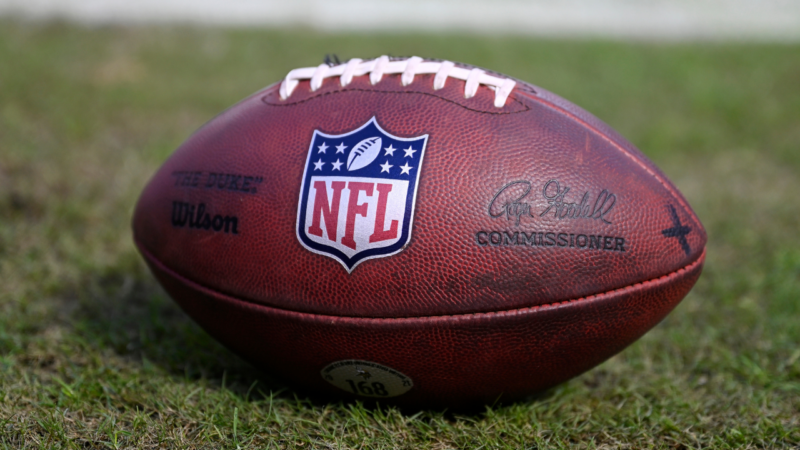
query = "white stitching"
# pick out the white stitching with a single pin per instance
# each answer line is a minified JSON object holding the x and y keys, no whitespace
{"x":442,"y":74}
{"x":503,"y":91}
{"x":409,"y":68}
{"x":473,"y":80}
{"x":379,"y":65}
{"x":319,"y":76}
{"x":349,"y":71}
{"x":408,"y":74}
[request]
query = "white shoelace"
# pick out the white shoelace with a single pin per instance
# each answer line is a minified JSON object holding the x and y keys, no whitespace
{"x":410,"y":67}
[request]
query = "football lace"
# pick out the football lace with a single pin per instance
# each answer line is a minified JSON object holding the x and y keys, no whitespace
{"x":410,"y":67}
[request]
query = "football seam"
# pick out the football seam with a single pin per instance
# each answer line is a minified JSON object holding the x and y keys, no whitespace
{"x":589,"y":298}
{"x":345,"y":90}
{"x":622,"y":149}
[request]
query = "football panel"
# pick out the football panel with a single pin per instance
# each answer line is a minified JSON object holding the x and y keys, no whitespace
{"x":452,"y":360}
{"x":608,"y":132}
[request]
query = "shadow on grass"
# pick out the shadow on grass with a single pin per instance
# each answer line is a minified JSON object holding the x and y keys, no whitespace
{"x":125,"y":310}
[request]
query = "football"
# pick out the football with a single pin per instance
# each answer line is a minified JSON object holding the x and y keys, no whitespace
{"x":415,"y":231}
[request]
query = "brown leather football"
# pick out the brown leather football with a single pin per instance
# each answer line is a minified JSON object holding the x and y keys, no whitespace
{"x":419,"y":231}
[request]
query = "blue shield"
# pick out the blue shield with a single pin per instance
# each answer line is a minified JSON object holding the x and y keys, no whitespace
{"x":358,"y":193}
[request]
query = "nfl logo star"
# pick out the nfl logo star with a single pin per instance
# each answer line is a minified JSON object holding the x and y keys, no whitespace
{"x":358,"y":194}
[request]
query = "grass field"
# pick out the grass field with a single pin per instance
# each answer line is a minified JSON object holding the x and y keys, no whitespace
{"x":93,"y":354}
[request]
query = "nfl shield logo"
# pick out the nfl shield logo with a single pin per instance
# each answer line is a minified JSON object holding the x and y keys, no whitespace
{"x":358,"y":194}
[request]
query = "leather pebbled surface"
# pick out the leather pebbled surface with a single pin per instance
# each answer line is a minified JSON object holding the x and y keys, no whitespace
{"x":466,"y":322}
{"x":471,"y":155}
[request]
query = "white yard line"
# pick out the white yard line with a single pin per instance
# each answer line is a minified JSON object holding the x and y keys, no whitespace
{"x":773,"y":20}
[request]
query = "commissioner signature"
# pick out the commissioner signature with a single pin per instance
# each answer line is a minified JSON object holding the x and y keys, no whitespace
{"x":556,"y":197}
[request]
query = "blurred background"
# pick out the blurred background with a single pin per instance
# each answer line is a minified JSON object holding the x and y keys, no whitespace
{"x":96,"y":94}
{"x":646,"y":19}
